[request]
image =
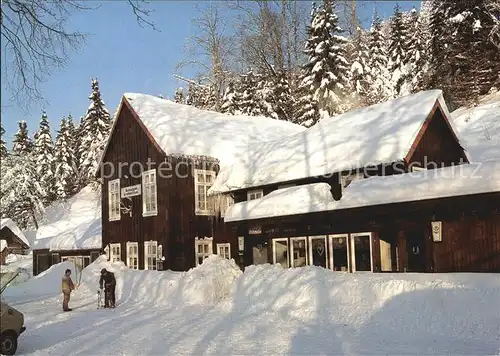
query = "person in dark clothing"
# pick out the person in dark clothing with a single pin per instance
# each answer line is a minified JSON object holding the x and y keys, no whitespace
{"x":108,"y":280}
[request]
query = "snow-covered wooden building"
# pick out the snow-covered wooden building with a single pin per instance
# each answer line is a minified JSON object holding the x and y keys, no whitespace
{"x":342,"y":195}
{"x":158,"y":165}
{"x":12,"y":238}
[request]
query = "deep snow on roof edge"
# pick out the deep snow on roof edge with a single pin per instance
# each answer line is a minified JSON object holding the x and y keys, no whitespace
{"x":381,"y":133}
{"x":180,"y":129}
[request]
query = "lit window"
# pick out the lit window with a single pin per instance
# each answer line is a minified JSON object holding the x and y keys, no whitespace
{"x":133,"y":255}
{"x":114,"y":199}
{"x":150,"y":254}
{"x":203,"y":249}
{"x":255,"y":194}
{"x":224,"y":250}
{"x":203,"y":180}
{"x":149,"y":203}
{"x":116,"y":254}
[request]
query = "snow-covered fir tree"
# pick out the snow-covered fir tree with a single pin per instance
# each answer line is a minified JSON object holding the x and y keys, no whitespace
{"x":250,"y":101}
{"x":22,"y":145}
{"x":3,"y":144}
{"x":306,"y":112}
{"x":417,"y":44}
{"x":44,"y":159}
{"x":380,"y":84}
{"x":398,"y":56}
{"x":327,"y":70}
{"x":94,"y":132}
{"x":179,"y":96}
{"x":64,"y":161}
{"x":231,"y":102}
{"x":21,"y":194}
{"x":282,"y":100}
{"x":359,"y":70}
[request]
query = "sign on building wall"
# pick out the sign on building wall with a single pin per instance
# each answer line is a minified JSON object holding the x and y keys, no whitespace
{"x":131,"y":191}
{"x":437,"y":231}
{"x":255,"y":230}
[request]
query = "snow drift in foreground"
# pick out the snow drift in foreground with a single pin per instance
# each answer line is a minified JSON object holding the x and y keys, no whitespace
{"x":215,"y":309}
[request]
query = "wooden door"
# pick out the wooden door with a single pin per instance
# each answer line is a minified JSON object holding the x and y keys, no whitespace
{"x":415,"y":250}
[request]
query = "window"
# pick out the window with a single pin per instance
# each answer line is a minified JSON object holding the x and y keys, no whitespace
{"x":317,"y":251}
{"x":361,"y":252}
{"x":114,"y":199}
{"x":149,"y":206}
{"x":280,"y":252}
{"x":203,"y":249}
{"x":203,"y":180}
{"x":255,"y":194}
{"x":115,"y":253}
{"x":224,"y":250}
{"x":339,"y":253}
{"x":298,"y":251}
{"x":133,"y":255}
{"x":227,"y":201}
{"x":150,"y":254}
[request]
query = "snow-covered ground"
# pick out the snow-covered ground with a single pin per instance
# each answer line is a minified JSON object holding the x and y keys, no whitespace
{"x":215,"y":309}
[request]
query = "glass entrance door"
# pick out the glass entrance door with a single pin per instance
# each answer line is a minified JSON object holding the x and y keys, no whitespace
{"x":339,"y":253}
{"x":317,"y":251}
{"x":298,"y":251}
{"x":280,"y":252}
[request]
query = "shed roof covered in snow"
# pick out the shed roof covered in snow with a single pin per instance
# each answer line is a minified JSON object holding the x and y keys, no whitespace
{"x":378,"y":134}
{"x":479,"y":128}
{"x":184,"y":130}
{"x":73,"y":224}
{"x":445,"y":182}
{"x":7,"y":223}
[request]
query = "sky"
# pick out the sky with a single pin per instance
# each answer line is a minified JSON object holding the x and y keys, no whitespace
{"x":125,"y":57}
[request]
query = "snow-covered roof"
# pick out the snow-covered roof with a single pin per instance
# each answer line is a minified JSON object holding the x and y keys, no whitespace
{"x":460,"y":180}
{"x":8,"y":223}
{"x":74,"y":224}
{"x":185,"y":130}
{"x":382,"y":133}
{"x":3,"y":245}
{"x":479,"y":128}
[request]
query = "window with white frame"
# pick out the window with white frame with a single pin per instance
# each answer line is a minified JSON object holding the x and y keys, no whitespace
{"x":115,"y":252}
{"x":133,"y":255}
{"x":203,"y":249}
{"x":227,"y":201}
{"x":150,"y":254}
{"x":114,"y":200}
{"x":203,"y":180}
{"x":224,"y":250}
{"x":149,"y":202}
{"x":255,"y":194}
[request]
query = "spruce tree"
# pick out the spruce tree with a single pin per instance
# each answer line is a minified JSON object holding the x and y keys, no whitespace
{"x":231,"y":102}
{"x":417,"y":45}
{"x":398,"y":42}
{"x":44,"y":159}
{"x":360,"y":71}
{"x":21,"y":194}
{"x":3,"y":144}
{"x":250,"y":101}
{"x":282,"y":100}
{"x":326,"y":71}
{"x":306,"y":112}
{"x":22,"y":145}
{"x":179,"y":96}
{"x":94,"y":132}
{"x":380,"y":88}
{"x":64,"y":161}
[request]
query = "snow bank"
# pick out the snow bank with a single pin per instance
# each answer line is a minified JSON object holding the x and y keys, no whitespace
{"x":373,"y":313}
{"x":46,"y":283}
{"x":479,"y":128}
{"x":183,"y":129}
{"x":72,"y":224}
{"x":206,"y":284}
{"x":381,"y":133}
{"x":9,"y":224}
{"x":459,"y":180}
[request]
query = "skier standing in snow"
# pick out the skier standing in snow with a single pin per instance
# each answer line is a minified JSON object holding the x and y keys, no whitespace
{"x":109,"y":281}
{"x":67,"y":287}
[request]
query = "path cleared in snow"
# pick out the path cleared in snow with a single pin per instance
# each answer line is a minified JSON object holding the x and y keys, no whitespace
{"x":215,"y":309}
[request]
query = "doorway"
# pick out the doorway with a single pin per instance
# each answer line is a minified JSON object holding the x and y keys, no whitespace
{"x":339,"y":252}
{"x":317,"y":251}
{"x":415,"y":250}
{"x":298,"y":251}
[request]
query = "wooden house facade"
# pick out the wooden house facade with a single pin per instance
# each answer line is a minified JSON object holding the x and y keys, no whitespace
{"x":44,"y":258}
{"x":157,"y":212}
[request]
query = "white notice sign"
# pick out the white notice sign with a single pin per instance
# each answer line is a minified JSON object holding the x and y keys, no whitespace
{"x":131,"y":191}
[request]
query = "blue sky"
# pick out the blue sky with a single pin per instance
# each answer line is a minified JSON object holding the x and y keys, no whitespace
{"x":125,"y":58}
